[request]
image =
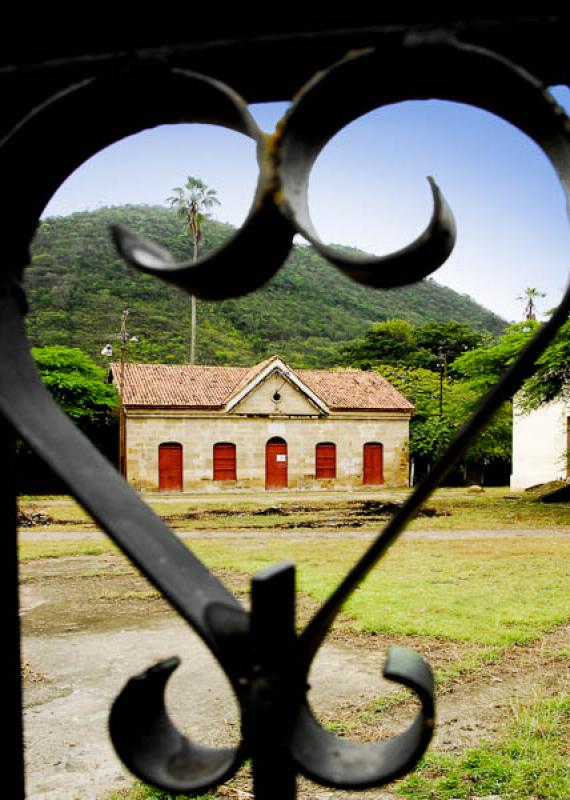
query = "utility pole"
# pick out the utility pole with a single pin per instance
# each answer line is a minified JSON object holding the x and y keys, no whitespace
{"x":124,"y":341}
{"x":123,"y":338}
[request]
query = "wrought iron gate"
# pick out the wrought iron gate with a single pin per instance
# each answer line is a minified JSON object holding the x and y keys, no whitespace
{"x":61,"y":104}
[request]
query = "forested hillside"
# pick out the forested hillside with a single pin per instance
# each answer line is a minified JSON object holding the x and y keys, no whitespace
{"x":78,"y":286}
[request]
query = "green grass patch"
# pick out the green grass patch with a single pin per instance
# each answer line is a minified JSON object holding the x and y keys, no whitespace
{"x":531,"y":761}
{"x":495,"y":591}
{"x":498,"y":591}
{"x":468,"y":664}
{"x":142,"y":792}
{"x":495,"y":509}
{"x":34,"y":550}
{"x":44,"y":498}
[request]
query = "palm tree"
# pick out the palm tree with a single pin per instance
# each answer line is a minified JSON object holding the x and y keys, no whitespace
{"x":192,"y":202}
{"x":530,"y":295}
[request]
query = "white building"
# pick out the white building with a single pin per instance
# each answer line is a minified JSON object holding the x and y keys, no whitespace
{"x":541,"y":444}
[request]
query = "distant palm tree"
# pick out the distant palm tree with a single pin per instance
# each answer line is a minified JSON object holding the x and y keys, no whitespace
{"x":191,"y":202}
{"x":529,"y":296}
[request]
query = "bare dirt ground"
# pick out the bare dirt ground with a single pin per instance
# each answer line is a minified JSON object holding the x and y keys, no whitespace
{"x":90,"y":623}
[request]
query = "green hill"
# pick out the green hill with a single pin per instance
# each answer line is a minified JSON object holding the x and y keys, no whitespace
{"x":78,"y":286}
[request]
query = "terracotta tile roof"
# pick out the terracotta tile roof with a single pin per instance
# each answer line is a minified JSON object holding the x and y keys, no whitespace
{"x":346,"y":389}
{"x":186,"y":386}
{"x":177,"y":385}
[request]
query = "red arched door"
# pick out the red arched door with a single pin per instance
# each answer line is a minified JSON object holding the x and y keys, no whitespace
{"x":276,"y":464}
{"x":224,"y":461}
{"x":325,"y":460}
{"x":373,"y":464}
{"x":170,"y":467}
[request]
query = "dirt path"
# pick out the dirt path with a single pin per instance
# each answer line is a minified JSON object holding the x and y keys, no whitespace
{"x":299,"y":534}
{"x":78,"y":656}
{"x":91,"y":622}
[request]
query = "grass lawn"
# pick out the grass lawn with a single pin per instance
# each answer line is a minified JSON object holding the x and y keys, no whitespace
{"x":450,"y":509}
{"x":495,"y":591}
{"x":498,"y":591}
{"x":481,"y":594}
{"x":531,"y":761}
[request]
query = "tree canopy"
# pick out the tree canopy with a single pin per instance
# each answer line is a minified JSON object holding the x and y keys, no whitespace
{"x":530,"y":295}
{"x":76,"y":382}
{"x":390,"y":342}
{"x":451,"y":338}
{"x":431,"y":432}
{"x":551,"y":379}
{"x":398,"y":342}
{"x":80,"y":387}
{"x":192,"y":202}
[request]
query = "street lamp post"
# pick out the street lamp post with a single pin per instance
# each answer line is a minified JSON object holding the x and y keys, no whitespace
{"x":124,"y":341}
{"x":123,"y":338}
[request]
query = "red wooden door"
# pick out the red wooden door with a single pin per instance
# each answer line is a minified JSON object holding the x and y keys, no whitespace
{"x":276,"y":464}
{"x":170,"y":467}
{"x":325,"y":460}
{"x":373,"y":464}
{"x":225,"y":462}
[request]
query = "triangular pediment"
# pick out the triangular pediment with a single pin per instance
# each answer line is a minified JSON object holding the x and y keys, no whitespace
{"x":276,"y":389}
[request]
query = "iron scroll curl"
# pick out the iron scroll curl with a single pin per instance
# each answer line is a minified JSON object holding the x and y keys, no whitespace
{"x":266,"y":661}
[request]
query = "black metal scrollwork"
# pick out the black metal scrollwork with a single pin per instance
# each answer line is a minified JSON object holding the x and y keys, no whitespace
{"x":285,"y":161}
{"x":266,"y":662}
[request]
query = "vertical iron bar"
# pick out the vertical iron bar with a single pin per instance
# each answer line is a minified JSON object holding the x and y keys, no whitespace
{"x":274,"y":682}
{"x":12,"y":666}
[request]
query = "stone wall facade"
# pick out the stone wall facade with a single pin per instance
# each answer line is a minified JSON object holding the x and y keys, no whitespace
{"x":198,"y":432}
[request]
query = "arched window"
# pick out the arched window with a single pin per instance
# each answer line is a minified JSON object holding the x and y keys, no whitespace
{"x":276,"y":476}
{"x":225,"y":461}
{"x":325,"y":460}
{"x":170,"y":467}
{"x":373,"y":471}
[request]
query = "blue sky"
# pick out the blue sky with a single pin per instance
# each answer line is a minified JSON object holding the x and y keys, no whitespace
{"x":368,"y":189}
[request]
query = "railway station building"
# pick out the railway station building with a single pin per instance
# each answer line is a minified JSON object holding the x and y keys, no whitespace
{"x":198,"y":428}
